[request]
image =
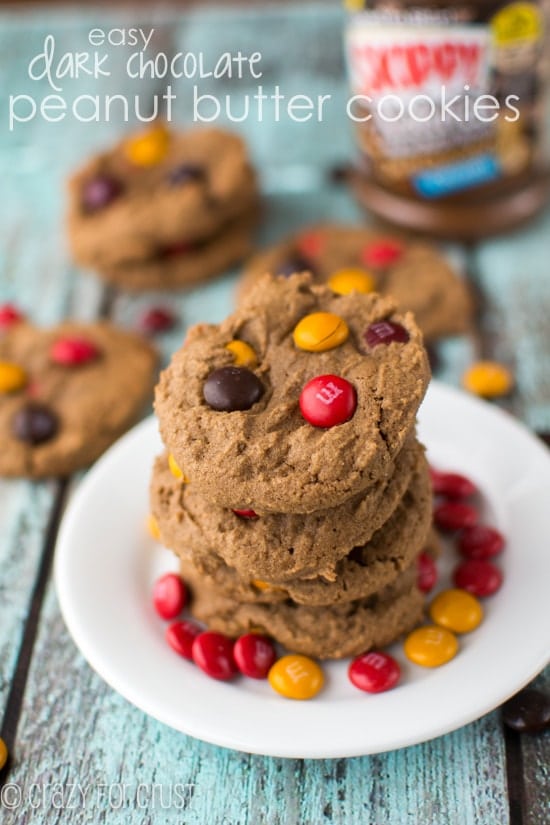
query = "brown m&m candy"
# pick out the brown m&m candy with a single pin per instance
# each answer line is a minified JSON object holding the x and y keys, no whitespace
{"x":35,"y":423}
{"x":229,"y":389}
{"x":528,"y":711}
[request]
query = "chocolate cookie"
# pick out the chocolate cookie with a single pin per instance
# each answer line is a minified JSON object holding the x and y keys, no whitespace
{"x":67,"y":393}
{"x":299,"y":398}
{"x":280,"y":548}
{"x":364,"y":571}
{"x":163,"y":195}
{"x":334,"y":632}
{"x":416,"y":275}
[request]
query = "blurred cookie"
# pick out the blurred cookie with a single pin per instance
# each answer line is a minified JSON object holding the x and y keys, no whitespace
{"x":67,"y":393}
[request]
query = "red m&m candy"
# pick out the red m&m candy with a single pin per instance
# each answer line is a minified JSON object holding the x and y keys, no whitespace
{"x":452,"y":485}
{"x":426,"y":573}
{"x":213,"y":653}
{"x":254,"y":655}
{"x":480,"y":578}
{"x":73,"y":352}
{"x":382,"y":253}
{"x":181,"y":635}
{"x":480,"y":542}
{"x":328,"y":400}
{"x":156,"y":319}
{"x":374,"y":672}
{"x":310,"y":244}
{"x":454,"y":515}
{"x":169,"y":596}
{"x":9,"y":315}
{"x":249,"y":514}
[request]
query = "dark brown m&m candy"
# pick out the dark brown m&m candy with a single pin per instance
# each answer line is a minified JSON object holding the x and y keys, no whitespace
{"x":228,"y":389}
{"x":186,"y":173}
{"x":528,"y":711}
{"x":35,"y":423}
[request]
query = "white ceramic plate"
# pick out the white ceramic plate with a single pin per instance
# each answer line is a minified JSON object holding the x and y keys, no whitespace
{"x":106,"y":564}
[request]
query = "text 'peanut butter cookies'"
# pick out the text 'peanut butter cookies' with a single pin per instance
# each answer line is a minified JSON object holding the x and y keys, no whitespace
{"x":67,"y":393}
{"x":414,"y":273}
{"x":145,"y":213}
{"x":277,"y":547}
{"x":315,"y":411}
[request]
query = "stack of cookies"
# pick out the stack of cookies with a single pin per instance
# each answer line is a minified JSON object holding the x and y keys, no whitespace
{"x":164,"y":210}
{"x":293,"y":488}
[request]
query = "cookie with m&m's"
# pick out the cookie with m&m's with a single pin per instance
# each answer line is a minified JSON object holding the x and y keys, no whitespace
{"x":319,"y":416}
{"x":415,"y":273}
{"x":67,"y":393}
{"x":163,"y":209}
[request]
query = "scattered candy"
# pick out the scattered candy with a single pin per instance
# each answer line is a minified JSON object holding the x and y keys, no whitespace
{"x":249,"y":514}
{"x":431,"y":646}
{"x":12,"y":377}
{"x":374,"y":672}
{"x":153,"y":527}
{"x":328,"y":400}
{"x":99,"y":192}
{"x":186,"y":173}
{"x":296,"y":677}
{"x":454,"y":515}
{"x":156,"y":319}
{"x":213,"y":653}
{"x":480,"y":542}
{"x":382,"y":253}
{"x":73,"y":352}
{"x":452,"y":485}
{"x":385,"y":332}
{"x":148,"y":148}
{"x":228,"y":389}
{"x":528,"y":711}
{"x":169,"y":596}
{"x":181,"y":635}
{"x":456,"y":610}
{"x":3,"y":753}
{"x":310,"y":244}
{"x":260,"y":585}
{"x":320,"y":331}
{"x":488,"y":379}
{"x":426,"y":573}
{"x":345,"y":281}
{"x":243,"y":354}
{"x":9,"y":315}
{"x":481,"y":578}
{"x":254,"y":655}
{"x":174,"y":468}
{"x":35,"y":423}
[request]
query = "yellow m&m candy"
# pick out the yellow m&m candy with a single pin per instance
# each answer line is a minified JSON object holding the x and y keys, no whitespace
{"x":149,"y":148}
{"x":345,"y":281}
{"x":243,"y":354}
{"x":175,"y":470}
{"x":320,"y":331}
{"x":488,"y":379}
{"x":12,"y":377}
{"x":431,"y":646}
{"x":457,"y":610}
{"x":296,"y":677}
{"x":153,"y":527}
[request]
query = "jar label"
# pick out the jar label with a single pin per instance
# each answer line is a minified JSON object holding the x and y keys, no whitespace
{"x":443,"y":104}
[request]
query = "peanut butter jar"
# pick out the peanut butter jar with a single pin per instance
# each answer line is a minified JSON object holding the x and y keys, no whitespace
{"x":450,"y":106}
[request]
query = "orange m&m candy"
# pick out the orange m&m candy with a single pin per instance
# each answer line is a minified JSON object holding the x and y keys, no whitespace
{"x":12,"y":377}
{"x":296,"y":677}
{"x":488,"y":379}
{"x":148,"y":148}
{"x":3,"y":753}
{"x":457,"y":610}
{"x":153,"y":527}
{"x":175,"y":470}
{"x":320,"y":331}
{"x":243,"y":354}
{"x":431,"y":646}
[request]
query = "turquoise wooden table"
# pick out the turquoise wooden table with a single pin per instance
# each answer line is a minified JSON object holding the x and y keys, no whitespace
{"x":79,"y":752}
